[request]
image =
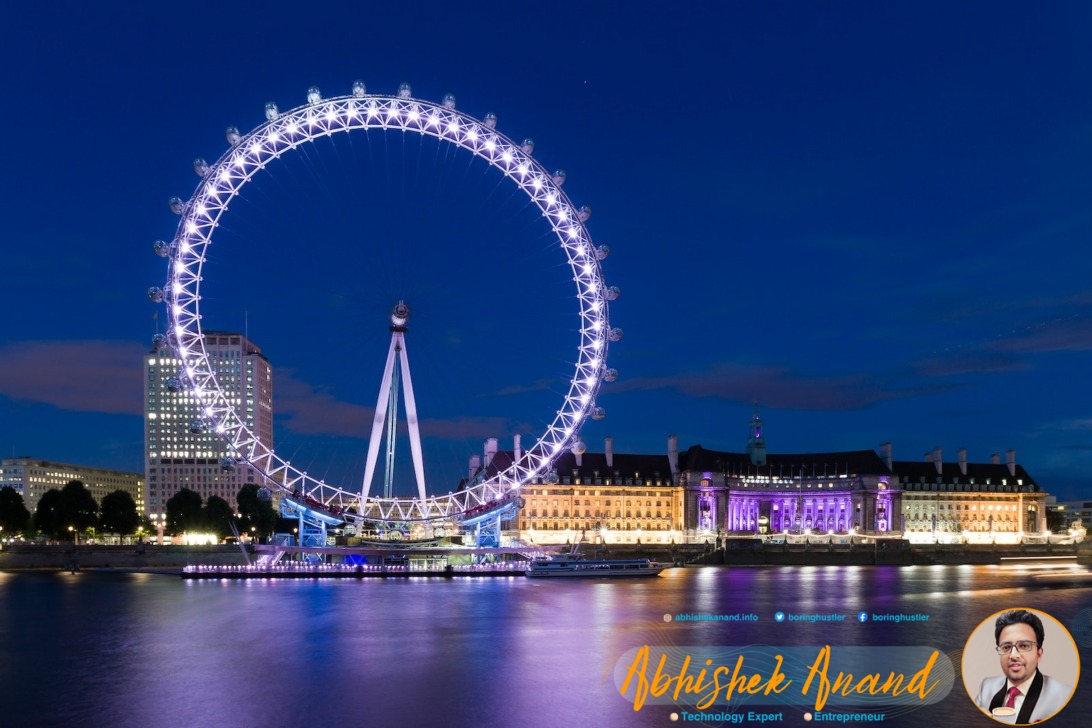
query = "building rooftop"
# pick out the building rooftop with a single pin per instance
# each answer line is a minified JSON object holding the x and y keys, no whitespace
{"x":819,"y":464}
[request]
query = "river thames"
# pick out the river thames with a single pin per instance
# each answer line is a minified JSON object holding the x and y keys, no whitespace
{"x":119,"y":649}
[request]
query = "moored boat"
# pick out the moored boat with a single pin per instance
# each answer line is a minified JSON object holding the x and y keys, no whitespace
{"x":574,"y":565}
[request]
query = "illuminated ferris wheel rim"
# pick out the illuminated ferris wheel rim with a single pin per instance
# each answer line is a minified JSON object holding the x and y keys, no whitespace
{"x":279,"y":134}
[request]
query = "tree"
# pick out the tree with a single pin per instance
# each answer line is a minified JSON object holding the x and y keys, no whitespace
{"x":184,"y":511}
{"x":119,"y":513}
{"x":218,"y":516}
{"x":14,"y":516}
{"x":71,"y":507}
{"x":47,"y":517}
{"x":256,"y":512}
{"x":78,"y":507}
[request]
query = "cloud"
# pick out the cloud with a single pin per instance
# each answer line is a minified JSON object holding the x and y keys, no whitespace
{"x":1070,"y":334}
{"x":1083,"y":424}
{"x":83,"y":376}
{"x":307,"y":410}
{"x":970,"y":363}
{"x":1012,"y":351}
{"x":541,"y":385}
{"x":779,"y":387}
{"x":470,"y":427}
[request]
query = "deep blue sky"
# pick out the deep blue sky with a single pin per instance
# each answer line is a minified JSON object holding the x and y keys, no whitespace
{"x":872,"y":219}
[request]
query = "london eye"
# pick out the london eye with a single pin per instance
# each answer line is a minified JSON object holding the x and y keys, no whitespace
{"x":285,"y":133}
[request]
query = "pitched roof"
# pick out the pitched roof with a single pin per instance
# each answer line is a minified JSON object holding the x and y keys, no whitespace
{"x":912,"y":471}
{"x":816,"y":464}
{"x":626,"y":466}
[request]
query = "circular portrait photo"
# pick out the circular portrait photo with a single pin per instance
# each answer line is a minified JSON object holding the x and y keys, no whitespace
{"x":1020,"y":666}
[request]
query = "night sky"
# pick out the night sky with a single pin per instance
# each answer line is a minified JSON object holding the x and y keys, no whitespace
{"x":871,"y":219}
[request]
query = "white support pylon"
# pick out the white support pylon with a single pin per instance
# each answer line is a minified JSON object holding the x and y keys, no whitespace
{"x":399,"y":316}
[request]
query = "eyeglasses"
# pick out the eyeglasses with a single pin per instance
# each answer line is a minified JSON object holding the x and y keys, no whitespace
{"x":1022,"y":646}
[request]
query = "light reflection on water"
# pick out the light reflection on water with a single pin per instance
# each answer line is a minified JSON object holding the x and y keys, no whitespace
{"x":136,"y":649}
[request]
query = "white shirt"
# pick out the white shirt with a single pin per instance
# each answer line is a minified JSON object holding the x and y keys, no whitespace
{"x":1022,"y":687}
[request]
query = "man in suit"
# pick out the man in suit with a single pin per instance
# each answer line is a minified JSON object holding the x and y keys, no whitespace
{"x":1023,"y":694}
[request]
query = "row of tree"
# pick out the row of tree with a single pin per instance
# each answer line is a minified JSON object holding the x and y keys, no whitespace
{"x":73,"y":508}
{"x":186,"y":513}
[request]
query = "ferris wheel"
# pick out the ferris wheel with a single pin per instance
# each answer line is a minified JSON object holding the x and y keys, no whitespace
{"x":282,"y":133}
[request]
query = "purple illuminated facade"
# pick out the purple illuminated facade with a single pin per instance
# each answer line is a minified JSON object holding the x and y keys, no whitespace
{"x":729,"y":493}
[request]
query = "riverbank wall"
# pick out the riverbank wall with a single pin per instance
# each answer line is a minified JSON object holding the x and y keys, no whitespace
{"x":891,"y":553}
{"x":138,"y":557}
{"x":148,"y":557}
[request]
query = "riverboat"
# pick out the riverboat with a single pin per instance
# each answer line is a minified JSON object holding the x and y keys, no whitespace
{"x":575,"y":565}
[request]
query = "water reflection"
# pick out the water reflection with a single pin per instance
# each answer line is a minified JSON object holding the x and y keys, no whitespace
{"x":129,"y":650}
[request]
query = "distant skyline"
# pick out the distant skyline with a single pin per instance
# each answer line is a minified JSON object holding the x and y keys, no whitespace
{"x":869,"y":220}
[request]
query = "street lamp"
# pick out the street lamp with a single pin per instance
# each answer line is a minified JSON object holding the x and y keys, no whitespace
{"x":75,"y":536}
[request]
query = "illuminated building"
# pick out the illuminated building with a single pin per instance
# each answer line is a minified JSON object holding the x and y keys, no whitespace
{"x":756,"y":492}
{"x":31,"y":478}
{"x":701,"y":494}
{"x":859,"y":492}
{"x":959,"y":502}
{"x":600,"y":498}
{"x":180,"y":451}
{"x":1073,"y":512}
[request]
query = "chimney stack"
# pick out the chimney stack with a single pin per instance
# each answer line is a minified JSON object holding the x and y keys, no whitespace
{"x":517,"y":451}
{"x":1010,"y":459}
{"x":609,"y":451}
{"x":579,"y":458}
{"x":995,"y":459}
{"x":475,"y":465}
{"x":673,"y":454}
{"x":963,"y":460}
{"x":885,"y":453}
{"x":490,"y":450}
{"x":936,"y":457}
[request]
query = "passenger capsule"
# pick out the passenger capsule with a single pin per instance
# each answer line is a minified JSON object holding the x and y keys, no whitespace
{"x":449,"y":101}
{"x":491,"y":120}
{"x":528,"y":146}
{"x":233,"y":135}
{"x":616,"y":334}
{"x":156,"y":294}
{"x":265,"y":494}
{"x":584,"y":213}
{"x":271,"y":111}
{"x":174,"y":384}
{"x":551,"y":478}
{"x":227,"y":464}
{"x":609,"y":375}
{"x":201,"y":167}
{"x":176,"y":205}
{"x":359,"y":89}
{"x":559,"y":177}
{"x":598,"y":413}
{"x":162,"y":248}
{"x":602,"y":252}
{"x":197,"y":427}
{"x":159,"y":341}
{"x":613,"y":293}
{"x":578,"y":448}
{"x":313,"y":95}
{"x":405,"y":91}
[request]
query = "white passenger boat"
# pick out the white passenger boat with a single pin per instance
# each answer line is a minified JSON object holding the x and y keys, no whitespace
{"x":575,"y":565}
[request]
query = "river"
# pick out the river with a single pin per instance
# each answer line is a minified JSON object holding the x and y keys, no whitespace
{"x":121,"y":649}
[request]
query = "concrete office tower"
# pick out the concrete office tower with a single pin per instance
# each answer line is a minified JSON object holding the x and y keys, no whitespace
{"x":32,"y":477}
{"x":175,"y":456}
